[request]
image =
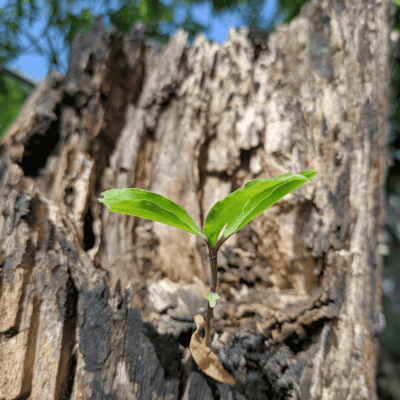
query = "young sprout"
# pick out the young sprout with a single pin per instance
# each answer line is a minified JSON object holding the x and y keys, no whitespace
{"x":231,"y":213}
{"x":212,"y":298}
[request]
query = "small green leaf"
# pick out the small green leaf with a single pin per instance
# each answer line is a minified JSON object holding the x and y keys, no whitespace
{"x":244,"y":204}
{"x":144,"y":204}
{"x":212,"y":298}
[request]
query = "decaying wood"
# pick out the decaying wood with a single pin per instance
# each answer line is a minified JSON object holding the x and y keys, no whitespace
{"x":100,"y":305}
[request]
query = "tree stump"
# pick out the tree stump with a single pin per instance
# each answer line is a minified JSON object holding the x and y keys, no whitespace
{"x":100,"y":305}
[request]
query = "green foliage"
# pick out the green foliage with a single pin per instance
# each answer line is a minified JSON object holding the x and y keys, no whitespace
{"x":12,"y":98}
{"x":78,"y":25}
{"x":291,"y":8}
{"x":125,"y":18}
{"x":234,"y":212}
{"x":151,"y":12}
{"x":154,"y":15}
{"x":212,"y":298}
{"x":144,"y":204}
{"x":244,"y":204}
{"x":9,"y":46}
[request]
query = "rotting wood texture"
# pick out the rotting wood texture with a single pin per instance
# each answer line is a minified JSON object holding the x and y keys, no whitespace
{"x":99,"y":305}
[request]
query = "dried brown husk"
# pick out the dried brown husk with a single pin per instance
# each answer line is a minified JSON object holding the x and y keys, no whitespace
{"x":205,"y":358}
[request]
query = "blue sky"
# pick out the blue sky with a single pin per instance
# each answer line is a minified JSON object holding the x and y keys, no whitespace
{"x":34,"y":66}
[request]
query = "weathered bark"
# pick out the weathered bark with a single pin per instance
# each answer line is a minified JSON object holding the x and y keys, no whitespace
{"x":299,"y":285}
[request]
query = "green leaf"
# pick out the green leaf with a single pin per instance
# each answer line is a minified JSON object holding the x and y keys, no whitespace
{"x":144,"y":204}
{"x":244,"y":204}
{"x":212,"y":298}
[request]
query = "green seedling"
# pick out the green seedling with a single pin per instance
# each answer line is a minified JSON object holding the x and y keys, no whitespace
{"x":230,"y":214}
{"x":212,"y":298}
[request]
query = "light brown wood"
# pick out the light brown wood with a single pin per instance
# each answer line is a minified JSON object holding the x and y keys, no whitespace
{"x":94,"y":303}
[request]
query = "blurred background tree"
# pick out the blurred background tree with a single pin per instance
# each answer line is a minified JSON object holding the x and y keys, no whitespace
{"x":63,"y":23}
{"x":160,"y":26}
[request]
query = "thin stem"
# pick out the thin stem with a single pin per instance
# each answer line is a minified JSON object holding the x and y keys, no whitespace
{"x":212,"y":255}
{"x":209,"y":318}
{"x":220,"y":243}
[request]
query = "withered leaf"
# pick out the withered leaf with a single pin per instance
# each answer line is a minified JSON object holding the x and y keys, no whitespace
{"x":205,"y":358}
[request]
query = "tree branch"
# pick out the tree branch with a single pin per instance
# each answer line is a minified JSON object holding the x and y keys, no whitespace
{"x":17,"y":77}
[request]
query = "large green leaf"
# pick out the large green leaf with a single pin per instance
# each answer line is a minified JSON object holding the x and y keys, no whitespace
{"x":244,"y":204}
{"x":144,"y":204}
